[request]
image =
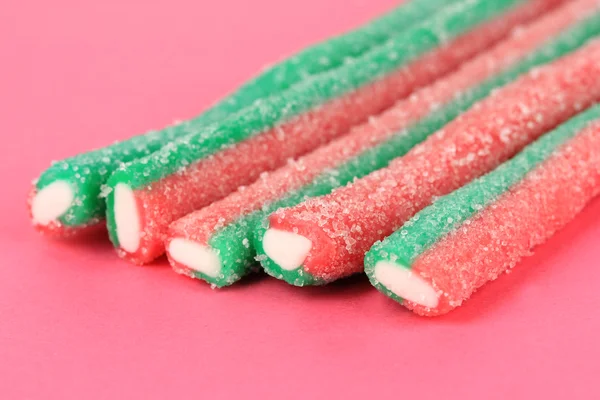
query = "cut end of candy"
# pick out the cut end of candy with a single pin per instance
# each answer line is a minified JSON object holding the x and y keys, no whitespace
{"x":127,"y":218}
{"x":287,"y":249}
{"x":51,"y":202}
{"x":195,"y":256}
{"x":404,"y":283}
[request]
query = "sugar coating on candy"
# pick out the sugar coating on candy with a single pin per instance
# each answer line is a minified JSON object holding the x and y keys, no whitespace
{"x":522,"y":218}
{"x":87,"y":172}
{"x":432,"y":98}
{"x":195,"y":185}
{"x":343,"y":225}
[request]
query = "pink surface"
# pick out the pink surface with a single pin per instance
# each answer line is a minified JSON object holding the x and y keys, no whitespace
{"x":76,"y":322}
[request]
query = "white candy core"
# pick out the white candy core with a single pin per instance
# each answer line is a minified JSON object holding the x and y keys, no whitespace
{"x":287,"y":249}
{"x":51,"y":202}
{"x":405,"y":283}
{"x":127,"y":218}
{"x":195,"y":256}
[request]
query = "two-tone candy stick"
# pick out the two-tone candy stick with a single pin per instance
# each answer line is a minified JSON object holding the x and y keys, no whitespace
{"x":327,"y":237}
{"x":471,"y":236}
{"x":216,"y":243}
{"x":66,"y":197}
{"x":148,"y":194}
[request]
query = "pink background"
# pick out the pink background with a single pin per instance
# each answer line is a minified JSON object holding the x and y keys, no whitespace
{"x":76,"y":322}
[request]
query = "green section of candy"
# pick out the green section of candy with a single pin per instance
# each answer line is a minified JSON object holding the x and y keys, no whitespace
{"x":87,"y":172}
{"x":266,"y":113}
{"x":254,"y":225}
{"x":452,"y":211}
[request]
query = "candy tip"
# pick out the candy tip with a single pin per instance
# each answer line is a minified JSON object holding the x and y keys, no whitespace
{"x":194,"y":256}
{"x":51,"y":202}
{"x":405,"y":283}
{"x":127,"y":220}
{"x":286,"y":249}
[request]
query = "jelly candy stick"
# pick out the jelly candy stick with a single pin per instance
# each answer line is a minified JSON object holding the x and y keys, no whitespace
{"x":150,"y":193}
{"x":216,"y":243}
{"x":343,"y":225}
{"x":469,"y":237}
{"x":66,"y":196}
